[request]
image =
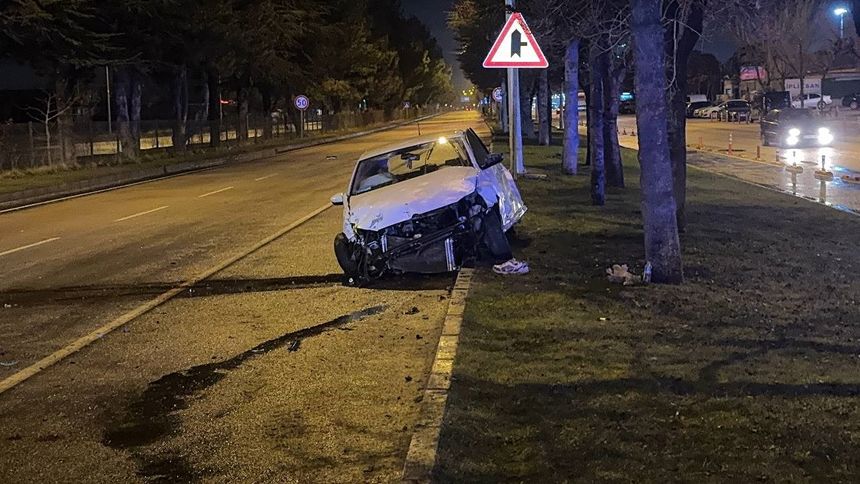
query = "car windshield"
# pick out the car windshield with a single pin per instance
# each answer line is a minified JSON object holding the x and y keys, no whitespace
{"x":403,"y":164}
{"x":795,"y":114}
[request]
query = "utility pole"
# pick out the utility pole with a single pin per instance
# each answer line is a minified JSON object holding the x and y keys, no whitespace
{"x":107,"y":85}
{"x":514,"y":114}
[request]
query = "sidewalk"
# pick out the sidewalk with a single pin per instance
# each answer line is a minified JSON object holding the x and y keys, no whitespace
{"x":747,"y":372}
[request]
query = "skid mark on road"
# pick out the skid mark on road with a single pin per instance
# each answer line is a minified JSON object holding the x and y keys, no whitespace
{"x":153,"y":415}
{"x":30,"y":246}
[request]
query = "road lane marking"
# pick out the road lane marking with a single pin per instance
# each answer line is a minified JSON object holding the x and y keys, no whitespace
{"x":141,"y":213}
{"x":265,"y":177}
{"x":84,"y":341}
{"x":216,"y":191}
{"x":30,"y":246}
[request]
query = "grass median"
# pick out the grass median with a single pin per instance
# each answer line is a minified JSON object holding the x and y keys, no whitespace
{"x":749,"y":371}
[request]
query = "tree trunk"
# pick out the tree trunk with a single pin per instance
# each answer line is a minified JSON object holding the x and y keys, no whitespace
{"x":544,"y":115}
{"x":214,"y":107}
{"x":691,"y":27}
{"x":611,"y":104}
{"x":180,"y":109}
{"x":122,"y":86}
{"x":64,"y":94}
{"x":662,"y":246}
{"x":599,"y":72}
{"x":242,"y":105}
{"x":503,"y":108}
{"x":136,"y":92}
{"x":570,"y":158}
{"x":526,"y":95}
{"x":268,"y":107}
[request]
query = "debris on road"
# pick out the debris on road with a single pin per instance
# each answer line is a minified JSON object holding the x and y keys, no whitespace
{"x":512,"y":266}
{"x":413,"y":310}
{"x":294,"y":346}
{"x":8,"y":364}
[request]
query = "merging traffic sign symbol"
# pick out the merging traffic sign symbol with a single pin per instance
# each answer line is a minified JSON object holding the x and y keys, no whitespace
{"x":302,"y":102}
{"x":498,"y":94}
{"x":516,"y":47}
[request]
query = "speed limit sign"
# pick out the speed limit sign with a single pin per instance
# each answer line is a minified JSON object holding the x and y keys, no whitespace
{"x":302,"y":102}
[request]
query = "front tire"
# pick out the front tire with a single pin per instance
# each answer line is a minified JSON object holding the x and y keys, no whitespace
{"x":345,"y":254}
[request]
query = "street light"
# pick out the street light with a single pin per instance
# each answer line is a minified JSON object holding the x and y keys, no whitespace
{"x":841,"y":11}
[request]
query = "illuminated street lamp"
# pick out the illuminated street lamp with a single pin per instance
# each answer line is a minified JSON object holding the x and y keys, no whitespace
{"x":841,"y":11}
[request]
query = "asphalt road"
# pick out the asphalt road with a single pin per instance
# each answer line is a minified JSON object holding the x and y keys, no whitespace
{"x":269,"y":370}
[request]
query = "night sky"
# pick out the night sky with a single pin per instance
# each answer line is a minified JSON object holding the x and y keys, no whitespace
{"x":434,"y":14}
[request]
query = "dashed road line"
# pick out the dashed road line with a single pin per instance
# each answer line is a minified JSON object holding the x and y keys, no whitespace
{"x":265,"y":177}
{"x":30,"y":246}
{"x":123,"y":219}
{"x":216,"y":191}
{"x":84,"y":341}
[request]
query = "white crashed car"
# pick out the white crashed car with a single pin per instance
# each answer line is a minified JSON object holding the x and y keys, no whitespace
{"x":424,"y":205}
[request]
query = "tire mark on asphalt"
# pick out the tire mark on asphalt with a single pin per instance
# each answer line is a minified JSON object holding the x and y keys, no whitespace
{"x":154,"y":416}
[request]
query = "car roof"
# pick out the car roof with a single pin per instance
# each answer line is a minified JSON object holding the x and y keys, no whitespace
{"x":406,"y":143}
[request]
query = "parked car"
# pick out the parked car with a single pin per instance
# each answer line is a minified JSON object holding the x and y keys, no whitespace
{"x":732,"y":106}
{"x":812,"y":101}
{"x":852,"y":101}
{"x":706,"y":112}
{"x":794,"y":127}
{"x":424,"y":205}
{"x":693,"y":106}
{"x":627,"y":107}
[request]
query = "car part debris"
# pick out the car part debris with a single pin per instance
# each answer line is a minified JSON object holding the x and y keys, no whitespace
{"x":621,"y":274}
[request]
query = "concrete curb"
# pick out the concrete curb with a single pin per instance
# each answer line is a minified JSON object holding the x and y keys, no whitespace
{"x":421,"y":458}
{"x":41,"y":196}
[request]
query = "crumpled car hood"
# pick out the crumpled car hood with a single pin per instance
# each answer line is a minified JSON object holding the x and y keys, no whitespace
{"x":397,"y":203}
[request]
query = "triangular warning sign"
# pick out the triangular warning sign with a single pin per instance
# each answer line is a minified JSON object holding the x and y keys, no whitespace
{"x":516,"y":47}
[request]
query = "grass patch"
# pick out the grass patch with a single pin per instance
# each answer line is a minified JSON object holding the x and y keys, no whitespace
{"x":749,"y":371}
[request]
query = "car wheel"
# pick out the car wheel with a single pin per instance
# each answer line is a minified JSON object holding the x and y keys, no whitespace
{"x":345,"y":254}
{"x":854,"y":105}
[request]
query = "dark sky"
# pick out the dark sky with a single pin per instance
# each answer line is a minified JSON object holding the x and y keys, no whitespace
{"x":434,"y":14}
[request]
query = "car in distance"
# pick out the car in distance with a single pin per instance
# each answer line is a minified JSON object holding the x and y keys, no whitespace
{"x":852,"y":101}
{"x":706,"y":111}
{"x":696,"y":105}
{"x":627,"y":107}
{"x":732,"y":106}
{"x":794,"y":127}
{"x":812,"y":101}
{"x":423,"y":205}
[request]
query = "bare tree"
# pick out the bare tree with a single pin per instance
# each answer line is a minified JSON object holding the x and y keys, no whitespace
{"x":46,"y":113}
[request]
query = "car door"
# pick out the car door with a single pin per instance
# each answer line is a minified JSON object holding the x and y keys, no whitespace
{"x":496,"y":181}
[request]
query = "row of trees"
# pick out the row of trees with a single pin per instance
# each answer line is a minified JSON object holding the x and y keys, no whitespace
{"x":591,"y":45}
{"x":345,"y":54}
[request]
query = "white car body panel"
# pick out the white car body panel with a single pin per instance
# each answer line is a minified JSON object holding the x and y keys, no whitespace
{"x":393,"y":204}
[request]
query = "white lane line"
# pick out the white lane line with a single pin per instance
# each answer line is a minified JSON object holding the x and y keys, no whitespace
{"x":12,"y":251}
{"x":216,"y":191}
{"x":265,"y":177}
{"x":141,"y":213}
{"x":97,"y":334}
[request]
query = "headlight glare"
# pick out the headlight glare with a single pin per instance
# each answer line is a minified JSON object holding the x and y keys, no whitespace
{"x":794,"y":132}
{"x":823,"y":131}
{"x":792,"y":140}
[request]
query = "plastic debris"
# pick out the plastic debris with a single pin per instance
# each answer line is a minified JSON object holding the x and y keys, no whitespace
{"x":621,"y":274}
{"x":7,"y":306}
{"x":7,"y":364}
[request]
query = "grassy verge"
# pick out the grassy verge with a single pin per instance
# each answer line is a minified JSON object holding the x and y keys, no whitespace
{"x":749,"y":371}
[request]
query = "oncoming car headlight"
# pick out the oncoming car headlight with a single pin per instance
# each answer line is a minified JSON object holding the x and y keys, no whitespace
{"x":825,"y":137}
{"x":792,"y":140}
{"x":794,"y":132}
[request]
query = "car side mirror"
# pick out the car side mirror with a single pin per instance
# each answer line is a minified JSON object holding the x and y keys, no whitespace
{"x":491,"y":160}
{"x":337,"y":199}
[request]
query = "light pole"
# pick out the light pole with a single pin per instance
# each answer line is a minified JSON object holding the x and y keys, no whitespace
{"x":841,"y":11}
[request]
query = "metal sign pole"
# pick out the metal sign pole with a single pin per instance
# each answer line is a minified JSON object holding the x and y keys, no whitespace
{"x":515,"y":130}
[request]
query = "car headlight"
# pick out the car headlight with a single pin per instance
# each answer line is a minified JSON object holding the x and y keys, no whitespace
{"x":823,"y":131}
{"x":794,"y":132}
{"x":825,"y":137}
{"x":792,"y":140}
